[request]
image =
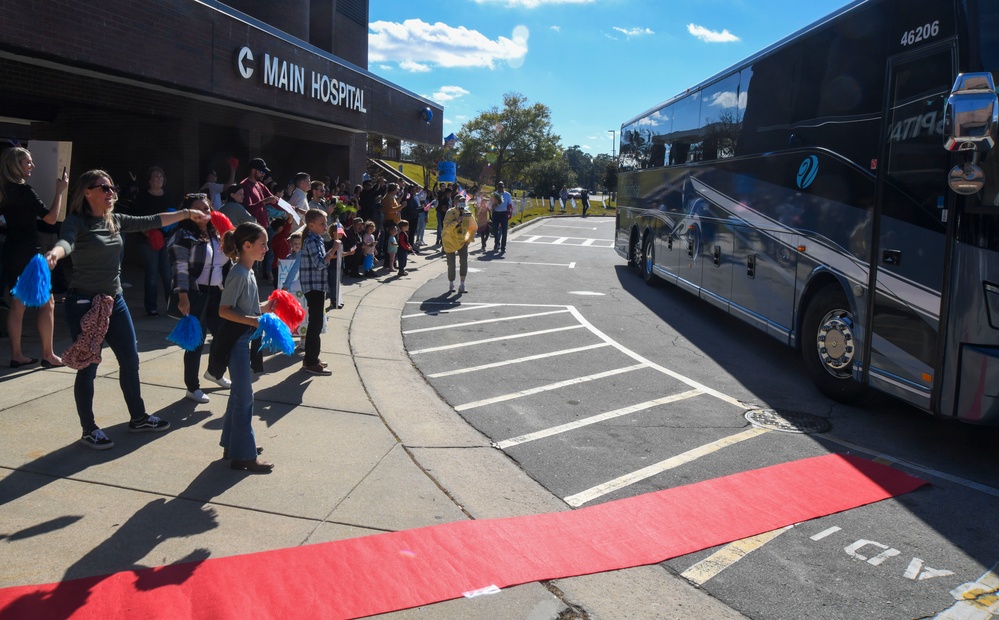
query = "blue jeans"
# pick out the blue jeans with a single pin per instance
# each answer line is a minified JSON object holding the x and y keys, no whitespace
{"x":500,"y":224}
{"x":157,"y":265}
{"x":121,"y":338}
{"x":237,"y":431}
{"x":421,"y":226}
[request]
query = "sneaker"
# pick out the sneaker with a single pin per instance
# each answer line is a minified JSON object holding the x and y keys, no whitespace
{"x":450,"y":288}
{"x":222,"y":382}
{"x":150,"y":423}
{"x":462,"y":289}
{"x":197,"y":396}
{"x":97,"y":440}
{"x":317,"y":369}
{"x":403,"y":272}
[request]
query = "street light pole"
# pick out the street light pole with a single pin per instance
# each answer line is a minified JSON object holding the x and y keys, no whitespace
{"x":613,"y":133}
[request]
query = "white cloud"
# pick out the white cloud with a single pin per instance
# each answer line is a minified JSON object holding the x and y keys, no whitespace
{"x":386,"y":67}
{"x":532,"y":4}
{"x":711,"y":36}
{"x":727,"y":99}
{"x":447,"y":93}
{"x":557,"y":28}
{"x":414,"y":67}
{"x":417,"y":46}
{"x":633,"y":32}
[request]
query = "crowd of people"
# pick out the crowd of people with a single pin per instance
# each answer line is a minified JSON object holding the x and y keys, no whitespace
{"x":326,"y":230}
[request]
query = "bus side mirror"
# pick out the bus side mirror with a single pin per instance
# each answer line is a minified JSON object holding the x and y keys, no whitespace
{"x":971,"y":118}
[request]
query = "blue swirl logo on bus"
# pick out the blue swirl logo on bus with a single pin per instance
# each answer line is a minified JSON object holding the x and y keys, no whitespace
{"x":807,"y":171}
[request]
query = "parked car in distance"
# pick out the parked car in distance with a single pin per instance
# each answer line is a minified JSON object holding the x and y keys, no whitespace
{"x":576,"y":192}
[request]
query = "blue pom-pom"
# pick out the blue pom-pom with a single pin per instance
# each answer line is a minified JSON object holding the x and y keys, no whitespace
{"x":274,"y":335}
{"x":188,"y":334}
{"x":34,"y":287}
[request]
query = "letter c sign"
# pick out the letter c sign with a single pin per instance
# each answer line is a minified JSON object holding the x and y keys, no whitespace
{"x":244,"y":62}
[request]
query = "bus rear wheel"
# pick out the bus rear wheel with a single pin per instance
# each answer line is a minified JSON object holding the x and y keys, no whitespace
{"x":828,"y":346}
{"x":635,"y":253}
{"x":648,"y":262}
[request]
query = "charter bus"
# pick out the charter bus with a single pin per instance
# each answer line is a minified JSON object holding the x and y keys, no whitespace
{"x":839,"y":190}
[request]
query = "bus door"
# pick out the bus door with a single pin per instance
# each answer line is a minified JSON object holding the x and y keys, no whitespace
{"x":908,"y":258}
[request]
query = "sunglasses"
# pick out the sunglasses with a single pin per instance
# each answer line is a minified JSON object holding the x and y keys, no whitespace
{"x":196,"y":196}
{"x":107,"y":189}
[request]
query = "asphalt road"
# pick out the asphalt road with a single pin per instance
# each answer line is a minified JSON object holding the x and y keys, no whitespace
{"x":602,"y":387}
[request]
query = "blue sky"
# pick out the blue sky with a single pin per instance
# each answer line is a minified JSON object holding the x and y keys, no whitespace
{"x":594,"y":63}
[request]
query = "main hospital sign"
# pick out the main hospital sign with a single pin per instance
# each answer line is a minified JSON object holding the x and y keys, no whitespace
{"x":288,"y":76}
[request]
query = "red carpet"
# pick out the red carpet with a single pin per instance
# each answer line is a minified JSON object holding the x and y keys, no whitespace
{"x":388,"y":572}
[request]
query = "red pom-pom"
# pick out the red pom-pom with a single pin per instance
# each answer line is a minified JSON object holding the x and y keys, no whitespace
{"x":233,"y":162}
{"x":221,"y":222}
{"x":287,"y":308}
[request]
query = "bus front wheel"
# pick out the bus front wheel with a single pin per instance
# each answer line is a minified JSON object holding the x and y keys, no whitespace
{"x":828,"y":345}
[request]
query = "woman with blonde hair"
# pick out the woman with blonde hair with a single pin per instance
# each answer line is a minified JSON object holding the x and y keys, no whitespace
{"x":21,"y":208}
{"x":92,"y":233}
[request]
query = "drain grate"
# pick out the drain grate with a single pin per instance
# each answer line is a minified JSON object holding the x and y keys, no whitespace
{"x":787,"y":421}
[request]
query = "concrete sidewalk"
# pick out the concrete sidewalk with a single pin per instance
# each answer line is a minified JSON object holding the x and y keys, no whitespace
{"x":371,"y":449}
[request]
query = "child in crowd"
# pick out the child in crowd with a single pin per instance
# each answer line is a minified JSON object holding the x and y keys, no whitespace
{"x":391,"y":245}
{"x":486,"y":205}
{"x":290,"y":282}
{"x":335,"y":269}
{"x":315,"y":284}
{"x":279,"y":243}
{"x":405,"y":247}
{"x":369,"y":248}
{"x":240,"y":309}
{"x":294,"y":245}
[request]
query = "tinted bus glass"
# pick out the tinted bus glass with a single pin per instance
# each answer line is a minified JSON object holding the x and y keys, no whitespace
{"x":720,"y":118}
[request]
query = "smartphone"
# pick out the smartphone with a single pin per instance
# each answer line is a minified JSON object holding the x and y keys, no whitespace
{"x":63,"y":171}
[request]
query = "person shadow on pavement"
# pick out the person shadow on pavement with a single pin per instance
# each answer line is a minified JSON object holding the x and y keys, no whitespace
{"x":183,"y":516}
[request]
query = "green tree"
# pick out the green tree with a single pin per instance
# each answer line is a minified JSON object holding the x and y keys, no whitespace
{"x":508,"y":139}
{"x":542,"y":175}
{"x":581,"y":164}
{"x":427,"y":156}
{"x":607,"y":166}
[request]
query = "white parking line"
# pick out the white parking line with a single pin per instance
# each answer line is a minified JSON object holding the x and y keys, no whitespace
{"x":635,"y":356}
{"x":513,"y":262}
{"x":603,"y":417}
{"x":647,"y":472}
{"x":473,"y":343}
{"x":462,"y":308}
{"x":520,"y":360}
{"x":891,"y":460}
{"x":548,"y":388}
{"x":484,"y":321}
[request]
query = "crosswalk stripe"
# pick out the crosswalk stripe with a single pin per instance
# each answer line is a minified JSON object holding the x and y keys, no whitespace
{"x":647,"y":472}
{"x":603,"y":417}
{"x":483,"y":322}
{"x":519,"y":360}
{"x":473,"y":343}
{"x":547,"y":388}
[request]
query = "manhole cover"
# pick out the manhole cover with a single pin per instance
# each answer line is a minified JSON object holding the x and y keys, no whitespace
{"x":787,"y":421}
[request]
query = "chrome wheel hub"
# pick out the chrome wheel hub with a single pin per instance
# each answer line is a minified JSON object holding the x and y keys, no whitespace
{"x":835,"y":342}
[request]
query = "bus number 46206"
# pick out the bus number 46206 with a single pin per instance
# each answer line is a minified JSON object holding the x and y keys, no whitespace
{"x":922,"y":33}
